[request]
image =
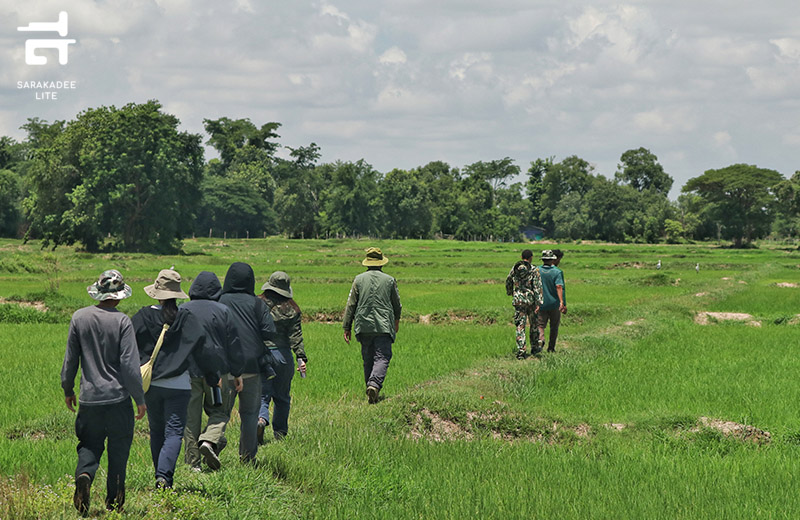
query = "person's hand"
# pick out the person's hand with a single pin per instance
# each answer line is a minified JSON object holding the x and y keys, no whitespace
{"x":396,"y":326}
{"x":238,"y":385}
{"x":563,"y":308}
{"x":140,"y":411}
{"x":347,"y":336}
{"x":301,"y":367}
{"x":71,"y":401}
{"x":536,"y":310}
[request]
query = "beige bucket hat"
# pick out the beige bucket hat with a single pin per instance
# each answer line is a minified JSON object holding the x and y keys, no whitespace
{"x":374,"y":258}
{"x":166,"y":286}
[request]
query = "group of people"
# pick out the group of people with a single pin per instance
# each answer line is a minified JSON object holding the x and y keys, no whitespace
{"x":224,"y":343}
{"x":539,"y":298}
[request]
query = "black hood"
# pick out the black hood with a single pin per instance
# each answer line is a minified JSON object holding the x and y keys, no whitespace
{"x":205,"y":287}
{"x":240,"y":279}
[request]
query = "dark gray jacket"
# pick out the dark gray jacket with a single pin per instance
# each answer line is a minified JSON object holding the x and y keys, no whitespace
{"x":251,"y":317}
{"x":217,"y":323}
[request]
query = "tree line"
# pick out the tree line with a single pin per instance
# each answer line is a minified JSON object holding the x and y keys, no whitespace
{"x":129,"y":179}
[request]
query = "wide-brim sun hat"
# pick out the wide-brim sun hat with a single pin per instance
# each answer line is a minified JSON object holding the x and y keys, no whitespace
{"x":110,"y":286}
{"x":548,"y":254}
{"x":279,"y":283}
{"x":166,"y":286}
{"x":375,"y":258}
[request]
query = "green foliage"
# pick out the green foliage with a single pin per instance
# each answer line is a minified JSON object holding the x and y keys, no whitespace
{"x":742,"y":195}
{"x":640,"y":169}
{"x":128,"y":173}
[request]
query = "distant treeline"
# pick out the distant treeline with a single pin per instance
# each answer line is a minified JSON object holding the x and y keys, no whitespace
{"x":127,"y":178}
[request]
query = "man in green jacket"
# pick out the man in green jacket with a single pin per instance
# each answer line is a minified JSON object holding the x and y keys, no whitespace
{"x":373,"y":310}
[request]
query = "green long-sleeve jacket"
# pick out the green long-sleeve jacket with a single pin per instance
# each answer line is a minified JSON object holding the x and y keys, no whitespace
{"x":287,"y":317}
{"x":373,"y":304}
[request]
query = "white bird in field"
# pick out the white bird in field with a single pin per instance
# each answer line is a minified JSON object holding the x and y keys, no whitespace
{"x":697,"y":268}
{"x":658,"y":265}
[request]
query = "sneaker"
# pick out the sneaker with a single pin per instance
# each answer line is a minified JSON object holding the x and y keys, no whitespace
{"x":209,"y":455}
{"x":521,"y":354}
{"x":541,"y":345}
{"x":262,"y":425}
{"x":161,"y":483}
{"x":83,"y":488}
{"x":372,"y":394}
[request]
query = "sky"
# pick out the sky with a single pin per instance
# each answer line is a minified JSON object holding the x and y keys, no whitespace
{"x":400,"y":83}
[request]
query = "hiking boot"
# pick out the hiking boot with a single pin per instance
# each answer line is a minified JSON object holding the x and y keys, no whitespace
{"x":262,"y":425}
{"x":209,"y":455}
{"x":83,"y":488}
{"x":521,"y":354}
{"x":372,"y":394}
{"x":161,"y":483}
{"x":115,"y":504}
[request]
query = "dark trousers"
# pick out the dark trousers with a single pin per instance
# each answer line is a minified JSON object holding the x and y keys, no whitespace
{"x":376,"y":351}
{"x":166,"y":412}
{"x":95,"y":424}
{"x":554,"y":317}
{"x":278,"y":391}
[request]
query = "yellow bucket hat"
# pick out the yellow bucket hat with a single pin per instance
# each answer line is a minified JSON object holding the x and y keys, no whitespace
{"x":375,"y":258}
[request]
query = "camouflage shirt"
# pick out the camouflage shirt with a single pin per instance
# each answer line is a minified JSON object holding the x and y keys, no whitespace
{"x":524,"y":283}
{"x":287,"y":317}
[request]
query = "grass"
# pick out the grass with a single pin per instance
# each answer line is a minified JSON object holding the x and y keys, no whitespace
{"x":465,"y":430}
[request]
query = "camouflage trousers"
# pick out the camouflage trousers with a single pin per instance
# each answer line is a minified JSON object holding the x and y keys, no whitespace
{"x":524,"y":314}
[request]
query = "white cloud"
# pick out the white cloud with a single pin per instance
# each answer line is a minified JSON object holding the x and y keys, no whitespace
{"x":393,"y":55}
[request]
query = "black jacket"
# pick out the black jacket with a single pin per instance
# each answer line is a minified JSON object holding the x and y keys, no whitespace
{"x":251,"y":317}
{"x":184,"y":339}
{"x":215,"y":318}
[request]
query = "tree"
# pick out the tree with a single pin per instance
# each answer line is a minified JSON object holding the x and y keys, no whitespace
{"x":742,"y":195}
{"x":640,"y":169}
{"x":573,"y":175}
{"x":10,"y":187}
{"x":128,"y":173}
{"x":443,"y":184}
{"x":230,"y":135}
{"x":297,"y":199}
{"x":350,"y":201}
{"x":407,"y":203}
{"x":534,"y":188}
{"x":787,"y":218}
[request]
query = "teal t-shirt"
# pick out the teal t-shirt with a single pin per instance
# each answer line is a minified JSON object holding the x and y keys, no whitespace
{"x":551,"y":276}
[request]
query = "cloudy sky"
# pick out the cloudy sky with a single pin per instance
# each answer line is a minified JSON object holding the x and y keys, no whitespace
{"x":702,"y":84}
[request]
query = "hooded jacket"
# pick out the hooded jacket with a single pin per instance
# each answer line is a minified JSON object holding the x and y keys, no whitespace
{"x":184,"y":339}
{"x":218,"y":327}
{"x":251,"y":317}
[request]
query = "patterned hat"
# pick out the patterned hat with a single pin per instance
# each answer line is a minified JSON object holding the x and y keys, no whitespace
{"x":110,"y":286}
{"x":548,"y":254}
{"x":166,"y":286}
{"x":278,"y":283}
{"x":374,"y":258}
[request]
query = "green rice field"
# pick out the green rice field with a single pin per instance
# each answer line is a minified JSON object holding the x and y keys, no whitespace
{"x":642,"y":412}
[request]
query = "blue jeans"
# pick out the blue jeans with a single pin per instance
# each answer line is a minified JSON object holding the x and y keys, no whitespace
{"x":278,"y":390}
{"x":376,"y":351}
{"x":166,"y":413}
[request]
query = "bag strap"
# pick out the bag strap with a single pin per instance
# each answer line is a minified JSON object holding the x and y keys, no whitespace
{"x":158,"y":344}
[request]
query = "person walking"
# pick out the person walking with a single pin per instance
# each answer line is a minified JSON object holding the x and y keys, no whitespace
{"x":254,"y":326}
{"x":525,"y":285}
{"x":221,"y":335}
{"x":278,"y":295}
{"x":554,"y":304}
{"x":101,"y":341}
{"x":170,"y":389}
{"x":373,"y":313}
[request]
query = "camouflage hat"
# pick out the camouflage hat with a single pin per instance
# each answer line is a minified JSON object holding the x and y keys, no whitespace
{"x":548,"y":254}
{"x":110,"y":286}
{"x":166,"y":286}
{"x":278,"y":283}
{"x":374,"y":258}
